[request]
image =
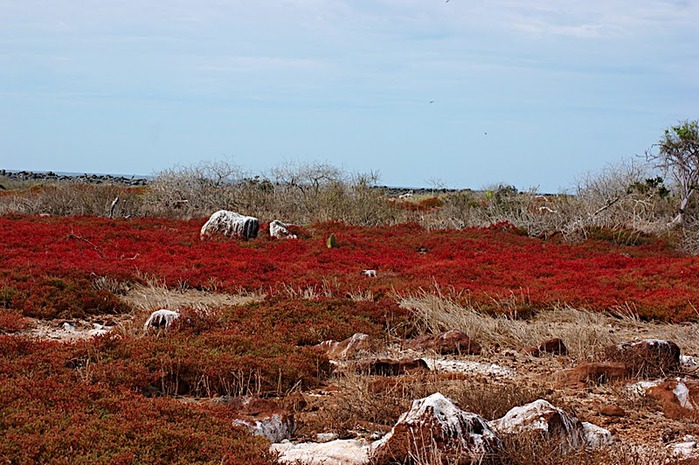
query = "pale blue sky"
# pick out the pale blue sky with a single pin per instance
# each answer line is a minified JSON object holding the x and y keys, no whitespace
{"x":560,"y":88}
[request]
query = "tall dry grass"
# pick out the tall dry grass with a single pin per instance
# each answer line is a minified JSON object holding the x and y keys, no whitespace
{"x":586,"y":334}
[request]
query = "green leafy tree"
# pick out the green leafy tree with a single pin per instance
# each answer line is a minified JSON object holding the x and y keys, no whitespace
{"x":678,"y":153}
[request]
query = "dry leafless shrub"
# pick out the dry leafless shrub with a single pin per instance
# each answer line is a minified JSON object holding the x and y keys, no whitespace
{"x":626,"y":195}
{"x":688,"y":234}
{"x":110,"y":284}
{"x":529,"y":210}
{"x":297,"y":193}
{"x":62,"y":198}
{"x":195,"y":190}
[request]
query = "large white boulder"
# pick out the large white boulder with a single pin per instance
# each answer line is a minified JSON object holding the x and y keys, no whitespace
{"x":544,"y":417}
{"x":435,"y":422}
{"x":230,"y":224}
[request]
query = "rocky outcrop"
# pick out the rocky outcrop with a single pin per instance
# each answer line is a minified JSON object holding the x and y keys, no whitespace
{"x":435,"y":428}
{"x":351,"y":347}
{"x":263,"y":417}
{"x":436,"y":423}
{"x":450,"y":342}
{"x":390,"y":366}
{"x":160,"y":319}
{"x":468,"y":366}
{"x":591,"y":373}
{"x":543,"y":417}
{"x":337,"y":452}
{"x":553,"y":346}
{"x":678,"y":397}
{"x":51,"y":177}
{"x":279,"y":230}
{"x":230,"y":224}
{"x":648,"y":358}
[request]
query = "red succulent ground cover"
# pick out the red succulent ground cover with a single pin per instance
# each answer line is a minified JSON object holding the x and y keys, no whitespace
{"x":110,"y":399}
{"x":51,"y":414}
{"x":46,"y":265}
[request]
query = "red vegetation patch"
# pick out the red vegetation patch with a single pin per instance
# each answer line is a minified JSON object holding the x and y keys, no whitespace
{"x":46,"y":296}
{"x":106,"y":400}
{"x":424,"y":205}
{"x":12,"y":321}
{"x":497,"y":267}
{"x":50,"y":413}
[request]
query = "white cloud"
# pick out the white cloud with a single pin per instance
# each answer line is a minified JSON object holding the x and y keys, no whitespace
{"x":611,"y":18}
{"x":256,"y":63}
{"x":591,"y":19}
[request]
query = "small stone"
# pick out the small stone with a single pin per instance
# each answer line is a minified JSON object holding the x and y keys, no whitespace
{"x":612,"y":411}
{"x":451,"y":342}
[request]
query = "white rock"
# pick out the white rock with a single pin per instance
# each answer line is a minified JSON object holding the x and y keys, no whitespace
{"x":595,"y":436}
{"x":279,"y":230}
{"x":532,"y":416}
{"x":338,"y":452}
{"x":160,"y":319}
{"x":98,"y":330}
{"x":689,"y":362}
{"x":67,"y":327}
{"x":541,"y":415}
{"x":639,"y":389}
{"x":275,"y":427}
{"x":437,"y":415}
{"x":368,"y":273}
{"x":467,"y":366}
{"x":687,"y":449}
{"x":231,"y":224}
{"x":682,"y":393}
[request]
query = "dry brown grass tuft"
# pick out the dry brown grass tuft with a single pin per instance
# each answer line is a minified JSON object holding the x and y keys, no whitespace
{"x":585,"y":334}
{"x":153,"y":296}
{"x":535,"y":449}
{"x":147,"y":298}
